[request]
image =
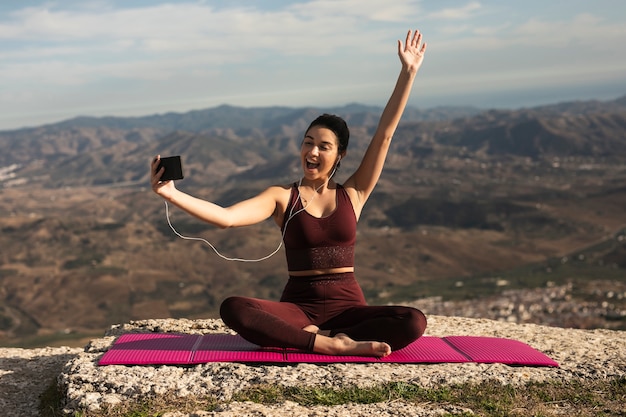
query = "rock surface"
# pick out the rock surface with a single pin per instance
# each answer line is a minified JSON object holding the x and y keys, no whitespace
{"x":26,"y":373}
{"x":586,"y":354}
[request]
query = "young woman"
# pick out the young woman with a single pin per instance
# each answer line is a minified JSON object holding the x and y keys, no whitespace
{"x":322,"y":308}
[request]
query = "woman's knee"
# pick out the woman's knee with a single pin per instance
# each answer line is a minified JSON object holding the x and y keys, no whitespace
{"x":410,"y":325}
{"x":231,"y":310}
{"x":413,"y":323}
{"x":418,"y":322}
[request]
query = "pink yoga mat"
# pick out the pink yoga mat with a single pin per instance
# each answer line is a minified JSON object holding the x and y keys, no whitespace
{"x":233,"y":348}
{"x":426,"y":349}
{"x":151,"y":349}
{"x":494,"y":349}
{"x":170,"y":349}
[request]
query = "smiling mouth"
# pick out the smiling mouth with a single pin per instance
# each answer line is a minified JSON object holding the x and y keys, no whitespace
{"x":311,"y":165}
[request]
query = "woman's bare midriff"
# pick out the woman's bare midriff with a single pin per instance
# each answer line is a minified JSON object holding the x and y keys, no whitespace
{"x":321,"y":271}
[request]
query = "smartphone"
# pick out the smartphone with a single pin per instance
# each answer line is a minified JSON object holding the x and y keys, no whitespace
{"x":173,"y":168}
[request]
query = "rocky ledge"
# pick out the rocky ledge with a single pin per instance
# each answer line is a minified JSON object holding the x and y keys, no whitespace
{"x":586,"y":354}
{"x":24,"y":373}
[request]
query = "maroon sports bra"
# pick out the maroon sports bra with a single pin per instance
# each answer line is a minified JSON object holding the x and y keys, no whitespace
{"x":319,"y":243}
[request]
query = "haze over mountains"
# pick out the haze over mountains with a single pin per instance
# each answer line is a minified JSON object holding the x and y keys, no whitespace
{"x":74,"y":151}
{"x":467,"y":195}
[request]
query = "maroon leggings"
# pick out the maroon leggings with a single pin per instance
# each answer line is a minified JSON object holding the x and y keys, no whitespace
{"x":331,"y":302}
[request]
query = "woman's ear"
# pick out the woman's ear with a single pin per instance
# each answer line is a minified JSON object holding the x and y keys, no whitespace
{"x":338,"y":162}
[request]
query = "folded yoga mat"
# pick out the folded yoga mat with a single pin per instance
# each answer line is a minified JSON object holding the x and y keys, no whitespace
{"x":507,"y":351}
{"x":151,"y":348}
{"x":184,"y":349}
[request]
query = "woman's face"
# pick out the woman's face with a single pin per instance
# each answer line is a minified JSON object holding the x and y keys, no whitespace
{"x":319,"y":152}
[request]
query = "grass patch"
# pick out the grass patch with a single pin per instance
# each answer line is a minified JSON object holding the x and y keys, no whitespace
{"x":50,"y":401}
{"x":491,"y":398}
{"x":488,"y":398}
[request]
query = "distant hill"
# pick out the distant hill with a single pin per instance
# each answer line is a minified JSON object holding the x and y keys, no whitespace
{"x":247,"y":118}
{"x":229,"y":142}
{"x":536,"y":135}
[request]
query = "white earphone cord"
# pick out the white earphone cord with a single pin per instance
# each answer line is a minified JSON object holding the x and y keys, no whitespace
{"x":291,"y":216}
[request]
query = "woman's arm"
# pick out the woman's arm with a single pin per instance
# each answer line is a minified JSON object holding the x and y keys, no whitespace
{"x":366,"y":176}
{"x":247,"y":212}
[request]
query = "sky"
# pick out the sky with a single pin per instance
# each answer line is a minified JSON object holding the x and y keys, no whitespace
{"x":62,"y":59}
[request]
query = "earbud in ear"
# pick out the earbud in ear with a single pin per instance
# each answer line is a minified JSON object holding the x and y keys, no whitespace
{"x":337,"y":163}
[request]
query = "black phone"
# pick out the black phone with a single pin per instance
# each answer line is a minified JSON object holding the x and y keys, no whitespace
{"x":173,"y":168}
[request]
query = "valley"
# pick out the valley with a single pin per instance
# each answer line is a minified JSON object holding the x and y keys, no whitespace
{"x":478,"y":209}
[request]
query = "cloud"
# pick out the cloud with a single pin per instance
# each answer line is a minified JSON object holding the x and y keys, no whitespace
{"x":292,"y":53}
{"x":360,"y":10}
{"x":192,"y":48}
{"x":459,"y":13}
{"x":582,"y":30}
{"x":76,"y":46}
{"x":165,"y":26}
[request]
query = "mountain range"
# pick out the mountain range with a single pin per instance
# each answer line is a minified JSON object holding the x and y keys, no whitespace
{"x":526,"y":196}
{"x":110,"y":150}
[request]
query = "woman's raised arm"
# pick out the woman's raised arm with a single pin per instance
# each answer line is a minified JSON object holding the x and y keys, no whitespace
{"x":364,"y":179}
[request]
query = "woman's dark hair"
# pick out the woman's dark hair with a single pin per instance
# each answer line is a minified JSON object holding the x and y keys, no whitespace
{"x":337,"y":125}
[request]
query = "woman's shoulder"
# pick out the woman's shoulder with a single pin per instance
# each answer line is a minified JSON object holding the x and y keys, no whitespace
{"x":281,"y":193}
{"x":349,"y":188}
{"x":282,"y":188}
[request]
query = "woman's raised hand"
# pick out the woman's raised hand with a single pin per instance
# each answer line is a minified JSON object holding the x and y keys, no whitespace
{"x":412,"y":52}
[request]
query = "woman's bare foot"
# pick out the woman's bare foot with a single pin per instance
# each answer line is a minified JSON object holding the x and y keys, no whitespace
{"x":342,"y":344}
{"x":311,"y":328}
